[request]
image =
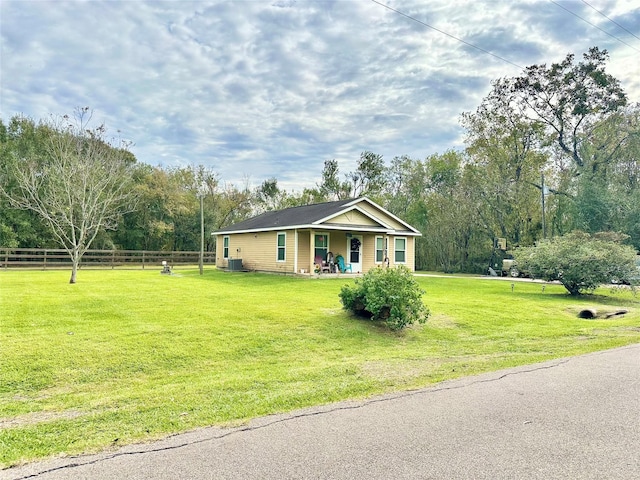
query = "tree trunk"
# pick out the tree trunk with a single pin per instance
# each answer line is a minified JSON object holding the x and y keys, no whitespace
{"x":75,"y":263}
{"x":74,"y":271}
{"x":572,"y":288}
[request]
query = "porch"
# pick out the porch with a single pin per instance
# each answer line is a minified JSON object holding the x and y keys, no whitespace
{"x":333,"y":252}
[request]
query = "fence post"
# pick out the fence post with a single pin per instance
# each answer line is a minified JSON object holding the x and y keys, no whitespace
{"x":143,"y":259}
{"x":44,"y":265}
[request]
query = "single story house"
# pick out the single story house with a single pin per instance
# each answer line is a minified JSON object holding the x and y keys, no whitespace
{"x":293,"y":240}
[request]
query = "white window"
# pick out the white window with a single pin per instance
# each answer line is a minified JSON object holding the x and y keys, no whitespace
{"x":380,"y":249}
{"x":321,"y":246}
{"x":282,"y":247}
{"x":225,"y":247}
{"x":400,"y":250}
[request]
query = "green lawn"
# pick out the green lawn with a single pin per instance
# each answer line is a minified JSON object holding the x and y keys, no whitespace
{"x":126,"y":356}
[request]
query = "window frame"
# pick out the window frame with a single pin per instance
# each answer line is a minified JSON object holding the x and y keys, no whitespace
{"x":396,"y":250}
{"x":282,"y":247}
{"x":326,"y":247}
{"x":225,"y":247}
{"x":380,"y":250}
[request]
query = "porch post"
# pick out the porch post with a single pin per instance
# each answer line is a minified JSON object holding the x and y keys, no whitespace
{"x":312,"y":261}
{"x":295,"y":251}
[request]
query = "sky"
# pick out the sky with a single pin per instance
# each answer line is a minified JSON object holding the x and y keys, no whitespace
{"x":271,"y":89}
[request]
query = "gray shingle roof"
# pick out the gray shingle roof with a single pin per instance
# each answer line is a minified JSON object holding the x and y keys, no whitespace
{"x":288,"y":217}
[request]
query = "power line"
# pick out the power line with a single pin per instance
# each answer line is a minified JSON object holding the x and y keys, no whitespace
{"x":611,"y":20}
{"x":447,"y":34}
{"x":593,"y":25}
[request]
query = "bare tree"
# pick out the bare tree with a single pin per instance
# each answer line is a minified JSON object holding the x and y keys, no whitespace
{"x":80,"y":185}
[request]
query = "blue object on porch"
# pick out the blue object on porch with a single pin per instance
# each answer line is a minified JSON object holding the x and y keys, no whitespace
{"x":341,"y":265}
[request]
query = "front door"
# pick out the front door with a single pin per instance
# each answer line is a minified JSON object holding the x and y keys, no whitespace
{"x":354,"y":247}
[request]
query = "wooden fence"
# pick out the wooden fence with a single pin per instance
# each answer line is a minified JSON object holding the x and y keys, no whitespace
{"x":55,"y":258}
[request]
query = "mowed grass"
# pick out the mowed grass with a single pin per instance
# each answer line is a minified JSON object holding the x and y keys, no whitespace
{"x":127,"y":356}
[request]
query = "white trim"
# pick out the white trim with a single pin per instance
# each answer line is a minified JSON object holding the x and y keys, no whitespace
{"x":384,"y":228}
{"x":358,"y":209}
{"x":406,"y":247}
{"x":386,"y":212}
{"x":357,"y":267}
{"x":375,"y":249}
{"x":278,"y":247}
{"x":314,"y":243}
{"x":343,"y":228}
{"x":228,"y":247}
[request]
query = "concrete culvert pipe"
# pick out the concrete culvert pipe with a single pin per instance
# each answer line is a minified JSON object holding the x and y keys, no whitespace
{"x":588,"y":313}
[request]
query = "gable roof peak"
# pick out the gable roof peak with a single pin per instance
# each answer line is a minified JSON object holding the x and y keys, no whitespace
{"x":305,"y":216}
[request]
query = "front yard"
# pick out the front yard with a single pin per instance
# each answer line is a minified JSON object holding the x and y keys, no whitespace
{"x":126,"y":356}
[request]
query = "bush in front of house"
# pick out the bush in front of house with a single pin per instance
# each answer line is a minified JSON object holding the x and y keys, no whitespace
{"x":391,"y":295}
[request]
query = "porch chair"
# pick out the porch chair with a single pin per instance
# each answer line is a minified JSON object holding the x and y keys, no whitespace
{"x":342,"y":266}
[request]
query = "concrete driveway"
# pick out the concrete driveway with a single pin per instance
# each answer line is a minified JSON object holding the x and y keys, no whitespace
{"x":574,"y":418}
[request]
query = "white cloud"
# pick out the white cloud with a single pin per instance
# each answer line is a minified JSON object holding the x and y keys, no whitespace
{"x":272,"y":90}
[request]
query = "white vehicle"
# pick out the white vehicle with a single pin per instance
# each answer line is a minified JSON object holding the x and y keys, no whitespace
{"x":510,"y":268}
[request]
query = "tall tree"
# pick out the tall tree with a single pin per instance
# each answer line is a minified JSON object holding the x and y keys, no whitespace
{"x":79,"y":186}
{"x":608,"y":194}
{"x":269,"y":196}
{"x":452,"y":220}
{"x":406,"y":185}
{"x":406,"y":196}
{"x":331,"y":187}
{"x":233,"y":204}
{"x":569,"y":99}
{"x":20,"y":138}
{"x":369,"y":178}
{"x":168,"y":217}
{"x":564,"y":113}
{"x":505,"y":167}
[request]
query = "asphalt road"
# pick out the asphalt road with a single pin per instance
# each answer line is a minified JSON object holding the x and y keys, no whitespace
{"x":574,"y":418}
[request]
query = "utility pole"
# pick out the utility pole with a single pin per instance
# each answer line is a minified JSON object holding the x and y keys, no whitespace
{"x":201,"y":263}
{"x":544,"y":226}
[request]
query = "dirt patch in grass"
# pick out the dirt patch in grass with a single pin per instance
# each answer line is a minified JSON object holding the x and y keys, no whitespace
{"x":623,"y":328}
{"x":38,"y":417}
{"x":441,"y":320}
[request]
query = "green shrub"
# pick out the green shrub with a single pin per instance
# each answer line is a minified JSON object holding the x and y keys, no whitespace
{"x":388,"y":294}
{"x":580,"y":261}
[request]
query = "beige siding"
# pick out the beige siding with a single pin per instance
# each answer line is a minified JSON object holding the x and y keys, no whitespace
{"x":367,"y":252}
{"x":220,"y":262}
{"x":409,"y":252}
{"x":338,"y":244}
{"x":258,"y":251}
{"x":304,"y":251}
{"x":381,"y":215}
{"x":352,"y":218}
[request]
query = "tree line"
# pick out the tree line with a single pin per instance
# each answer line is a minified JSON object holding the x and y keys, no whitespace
{"x":552,"y":150}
